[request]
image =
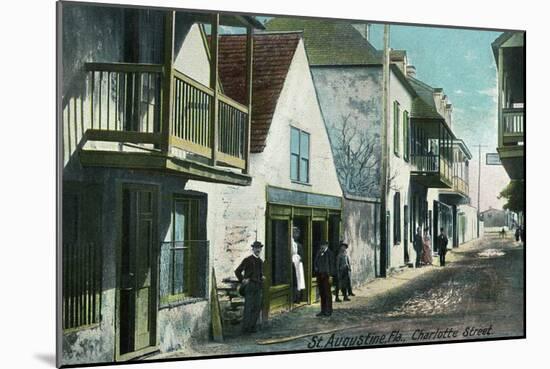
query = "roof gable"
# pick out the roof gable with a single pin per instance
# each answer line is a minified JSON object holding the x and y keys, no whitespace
{"x":273,"y":54}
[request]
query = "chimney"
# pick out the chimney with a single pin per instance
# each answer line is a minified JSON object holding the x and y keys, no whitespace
{"x":399,"y":58}
{"x":411,"y":71}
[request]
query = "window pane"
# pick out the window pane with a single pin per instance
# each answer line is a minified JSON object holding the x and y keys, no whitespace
{"x":304,"y":145}
{"x":294,"y":167}
{"x":179,"y":267}
{"x":294,"y":141}
{"x":304,"y":170}
{"x":181,"y":210}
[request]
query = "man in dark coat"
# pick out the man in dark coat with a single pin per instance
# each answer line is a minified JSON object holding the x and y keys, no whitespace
{"x":418,"y":246}
{"x":250,"y":274}
{"x":324,"y":268}
{"x":343,"y":270}
{"x":442,"y":242}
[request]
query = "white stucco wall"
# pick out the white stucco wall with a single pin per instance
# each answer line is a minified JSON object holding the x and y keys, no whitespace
{"x":469,"y":232}
{"x":192,"y":58}
{"x":399,"y":169}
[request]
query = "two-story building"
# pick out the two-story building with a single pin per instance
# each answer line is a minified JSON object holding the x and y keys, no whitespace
{"x":509,"y":52}
{"x":146,"y":128}
{"x":295,"y":195}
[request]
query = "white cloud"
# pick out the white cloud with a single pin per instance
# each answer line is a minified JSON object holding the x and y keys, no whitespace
{"x":492,"y":92}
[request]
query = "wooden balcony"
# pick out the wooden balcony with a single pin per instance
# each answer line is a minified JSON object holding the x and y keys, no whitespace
{"x":126,"y":105}
{"x":432,"y":154}
{"x":512,"y":126}
{"x":461,"y":186}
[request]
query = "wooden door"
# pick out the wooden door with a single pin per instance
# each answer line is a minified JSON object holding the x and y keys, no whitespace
{"x":137,"y":314}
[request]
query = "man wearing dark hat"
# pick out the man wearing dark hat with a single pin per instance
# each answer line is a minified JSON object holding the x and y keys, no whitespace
{"x":250,"y":274}
{"x":343,"y":271}
{"x":324,"y":268}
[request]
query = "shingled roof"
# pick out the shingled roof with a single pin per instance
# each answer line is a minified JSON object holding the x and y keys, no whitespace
{"x":329,"y":42}
{"x":273,"y":53}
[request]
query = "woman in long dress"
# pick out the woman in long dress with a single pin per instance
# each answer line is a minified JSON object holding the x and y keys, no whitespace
{"x":427,"y":248}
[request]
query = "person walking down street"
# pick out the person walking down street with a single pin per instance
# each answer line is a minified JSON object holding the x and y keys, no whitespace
{"x":418,"y":246}
{"x":343,"y":271}
{"x":250,"y":274}
{"x":518,"y":232}
{"x":427,"y":248}
{"x":442,"y":242}
{"x":324,"y":268}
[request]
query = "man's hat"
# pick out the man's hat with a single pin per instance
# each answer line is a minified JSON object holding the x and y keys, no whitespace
{"x":342,"y":243}
{"x":257,"y":244}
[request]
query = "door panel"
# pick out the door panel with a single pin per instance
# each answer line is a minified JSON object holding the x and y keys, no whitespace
{"x":137,"y":303}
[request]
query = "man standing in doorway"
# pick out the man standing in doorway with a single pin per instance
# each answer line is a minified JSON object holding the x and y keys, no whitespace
{"x":442,"y":242}
{"x":418,"y":246}
{"x":324,"y":268}
{"x":343,"y":271}
{"x":250,"y":274}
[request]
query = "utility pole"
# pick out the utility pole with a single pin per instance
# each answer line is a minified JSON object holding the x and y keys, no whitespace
{"x":478,"y":182}
{"x":384,"y":162}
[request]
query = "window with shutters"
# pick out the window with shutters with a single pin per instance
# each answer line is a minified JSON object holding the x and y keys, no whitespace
{"x":397,"y":218}
{"x":406,"y":135}
{"x":299,"y":155}
{"x":396,"y":130}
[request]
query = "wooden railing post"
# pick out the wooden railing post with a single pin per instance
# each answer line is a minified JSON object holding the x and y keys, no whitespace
{"x":499,"y":95}
{"x":214,"y":86}
{"x":168,"y":80}
{"x":249,"y":76}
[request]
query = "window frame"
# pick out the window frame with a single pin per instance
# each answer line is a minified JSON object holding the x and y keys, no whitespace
{"x":300,"y":156}
{"x":396,"y":129}
{"x":191,"y":232}
{"x":406,"y":135}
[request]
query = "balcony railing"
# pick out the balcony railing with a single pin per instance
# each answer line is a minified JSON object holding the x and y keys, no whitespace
{"x":512,"y":125}
{"x":125,"y":106}
{"x":461,"y":186}
{"x":433,"y":164}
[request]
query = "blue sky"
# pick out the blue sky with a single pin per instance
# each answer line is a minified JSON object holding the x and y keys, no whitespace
{"x":462,"y":63}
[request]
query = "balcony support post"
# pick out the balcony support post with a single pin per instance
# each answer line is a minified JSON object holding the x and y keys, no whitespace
{"x":500,"y":84}
{"x":214,"y":86}
{"x":168,"y":80}
{"x":249,"y":76}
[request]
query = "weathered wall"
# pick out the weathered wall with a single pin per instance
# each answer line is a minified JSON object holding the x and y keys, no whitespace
{"x":95,"y":34}
{"x":351,"y":101}
{"x":360,"y":220}
{"x":178,"y":324}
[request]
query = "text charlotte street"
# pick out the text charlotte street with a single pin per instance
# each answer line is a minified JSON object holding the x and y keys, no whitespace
{"x":395,"y":337}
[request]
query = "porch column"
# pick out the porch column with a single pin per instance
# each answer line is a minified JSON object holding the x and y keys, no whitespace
{"x":500,"y":83}
{"x":214,"y":86}
{"x":249,"y":77}
{"x":168,"y":80}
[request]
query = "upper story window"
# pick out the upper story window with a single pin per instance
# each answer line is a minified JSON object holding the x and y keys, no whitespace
{"x":396,"y":130}
{"x":299,"y":155}
{"x":406,"y":148}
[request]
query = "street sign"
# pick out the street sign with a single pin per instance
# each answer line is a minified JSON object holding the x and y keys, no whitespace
{"x":492,"y":159}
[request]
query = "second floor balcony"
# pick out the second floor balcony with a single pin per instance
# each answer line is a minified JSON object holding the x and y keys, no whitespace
{"x":126,"y":103}
{"x":431,"y":153}
{"x":155,"y":116}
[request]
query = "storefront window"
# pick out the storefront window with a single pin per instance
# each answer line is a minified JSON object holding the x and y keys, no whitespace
{"x":280,"y":257}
